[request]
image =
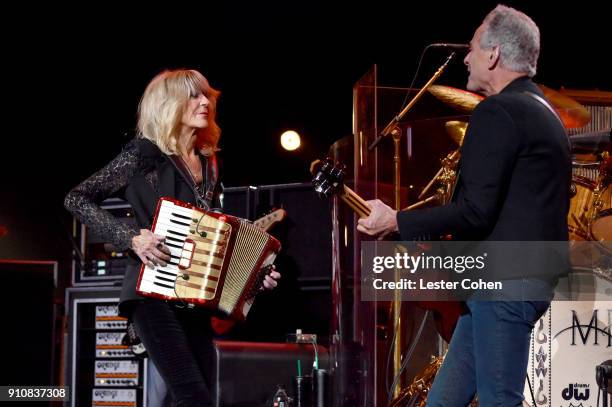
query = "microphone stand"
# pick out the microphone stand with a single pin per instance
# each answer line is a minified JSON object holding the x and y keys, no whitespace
{"x":392,"y":126}
{"x":393,"y":129}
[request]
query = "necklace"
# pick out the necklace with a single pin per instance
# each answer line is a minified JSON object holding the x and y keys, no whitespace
{"x":197,"y":189}
{"x":191,"y":174}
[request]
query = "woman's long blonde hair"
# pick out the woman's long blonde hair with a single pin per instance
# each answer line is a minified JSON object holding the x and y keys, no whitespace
{"x":163,"y":103}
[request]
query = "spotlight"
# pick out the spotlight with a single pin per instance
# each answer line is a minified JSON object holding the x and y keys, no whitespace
{"x":290,"y":140}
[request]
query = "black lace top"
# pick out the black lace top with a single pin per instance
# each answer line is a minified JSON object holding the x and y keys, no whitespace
{"x":141,"y":174}
{"x":83,"y":201}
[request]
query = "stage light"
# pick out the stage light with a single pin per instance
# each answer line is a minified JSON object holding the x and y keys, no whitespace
{"x":290,"y":140}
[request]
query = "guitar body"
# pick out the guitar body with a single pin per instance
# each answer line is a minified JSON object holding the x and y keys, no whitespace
{"x":220,"y":325}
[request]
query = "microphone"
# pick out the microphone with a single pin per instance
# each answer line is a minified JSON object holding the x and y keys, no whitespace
{"x":449,"y":45}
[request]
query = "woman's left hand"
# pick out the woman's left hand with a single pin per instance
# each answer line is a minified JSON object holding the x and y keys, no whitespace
{"x":271,"y":280}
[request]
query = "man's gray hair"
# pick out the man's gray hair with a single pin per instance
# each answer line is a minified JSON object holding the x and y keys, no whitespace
{"x":517,"y":36}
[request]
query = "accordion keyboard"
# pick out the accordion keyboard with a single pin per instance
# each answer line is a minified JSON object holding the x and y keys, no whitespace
{"x":215,"y":258}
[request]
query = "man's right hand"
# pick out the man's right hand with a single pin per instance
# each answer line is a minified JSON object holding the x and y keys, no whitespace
{"x":381,"y":222}
{"x":150,"y":248}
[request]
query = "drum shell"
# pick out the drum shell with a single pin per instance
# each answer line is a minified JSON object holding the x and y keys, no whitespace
{"x":600,"y":229}
{"x":582,"y":209}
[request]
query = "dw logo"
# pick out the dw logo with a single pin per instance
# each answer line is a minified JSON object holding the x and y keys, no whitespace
{"x":579,"y":392}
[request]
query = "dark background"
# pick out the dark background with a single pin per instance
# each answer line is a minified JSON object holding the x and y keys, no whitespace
{"x":73,"y":76}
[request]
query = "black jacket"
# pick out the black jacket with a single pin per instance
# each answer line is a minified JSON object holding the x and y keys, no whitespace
{"x":141,"y":174}
{"x":514,"y":176}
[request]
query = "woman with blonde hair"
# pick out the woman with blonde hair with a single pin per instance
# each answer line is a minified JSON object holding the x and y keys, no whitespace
{"x":174,"y":154}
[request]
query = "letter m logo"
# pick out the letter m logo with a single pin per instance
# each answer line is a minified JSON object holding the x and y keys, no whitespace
{"x":584,"y":336}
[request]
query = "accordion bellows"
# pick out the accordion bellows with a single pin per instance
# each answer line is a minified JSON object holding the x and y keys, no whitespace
{"x":218,"y":261}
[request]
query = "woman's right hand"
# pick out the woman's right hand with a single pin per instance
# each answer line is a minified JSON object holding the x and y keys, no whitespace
{"x":150,"y":248}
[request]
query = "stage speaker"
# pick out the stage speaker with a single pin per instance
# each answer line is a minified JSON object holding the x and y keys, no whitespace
{"x":29,"y":320}
{"x":303,"y":298}
{"x":99,"y":368}
{"x":292,"y":305}
{"x":247,"y":373}
{"x":97,"y":261}
{"x":240,"y":201}
{"x":306,"y":232}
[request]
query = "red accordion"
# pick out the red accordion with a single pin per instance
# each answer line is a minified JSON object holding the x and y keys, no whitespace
{"x":218,"y":261}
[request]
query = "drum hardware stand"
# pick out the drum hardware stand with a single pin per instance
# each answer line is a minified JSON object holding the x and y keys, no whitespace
{"x":581,"y":229}
{"x":446,"y":175}
{"x":603,"y":373}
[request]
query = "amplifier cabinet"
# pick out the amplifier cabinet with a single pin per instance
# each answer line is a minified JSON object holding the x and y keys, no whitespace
{"x":247,"y":373}
{"x":98,"y":368}
{"x":97,"y":261}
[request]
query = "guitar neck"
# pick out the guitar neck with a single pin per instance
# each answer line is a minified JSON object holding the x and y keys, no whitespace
{"x":355,"y":202}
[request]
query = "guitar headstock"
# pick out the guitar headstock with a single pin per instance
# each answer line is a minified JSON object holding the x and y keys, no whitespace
{"x":267,"y":221}
{"x":328,"y":177}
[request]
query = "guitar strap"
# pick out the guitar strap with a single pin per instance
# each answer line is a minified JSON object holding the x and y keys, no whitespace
{"x":552,"y":110}
{"x":205,"y":193}
{"x":544,"y":102}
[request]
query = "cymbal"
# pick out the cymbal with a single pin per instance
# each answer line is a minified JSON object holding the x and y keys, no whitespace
{"x":456,"y":130}
{"x":584,"y":158}
{"x":572,"y":113}
{"x":591,"y":142}
{"x":460,"y":99}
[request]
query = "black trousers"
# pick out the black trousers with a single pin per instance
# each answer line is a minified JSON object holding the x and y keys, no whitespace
{"x":179,"y":341}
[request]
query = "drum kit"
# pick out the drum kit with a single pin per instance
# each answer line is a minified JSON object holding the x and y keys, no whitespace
{"x":465,"y":102}
{"x":590,"y":215}
{"x":590,"y":212}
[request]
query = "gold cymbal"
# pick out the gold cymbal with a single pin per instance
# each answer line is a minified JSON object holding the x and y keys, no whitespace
{"x":572,"y":113}
{"x":456,"y":129}
{"x":460,"y":99}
